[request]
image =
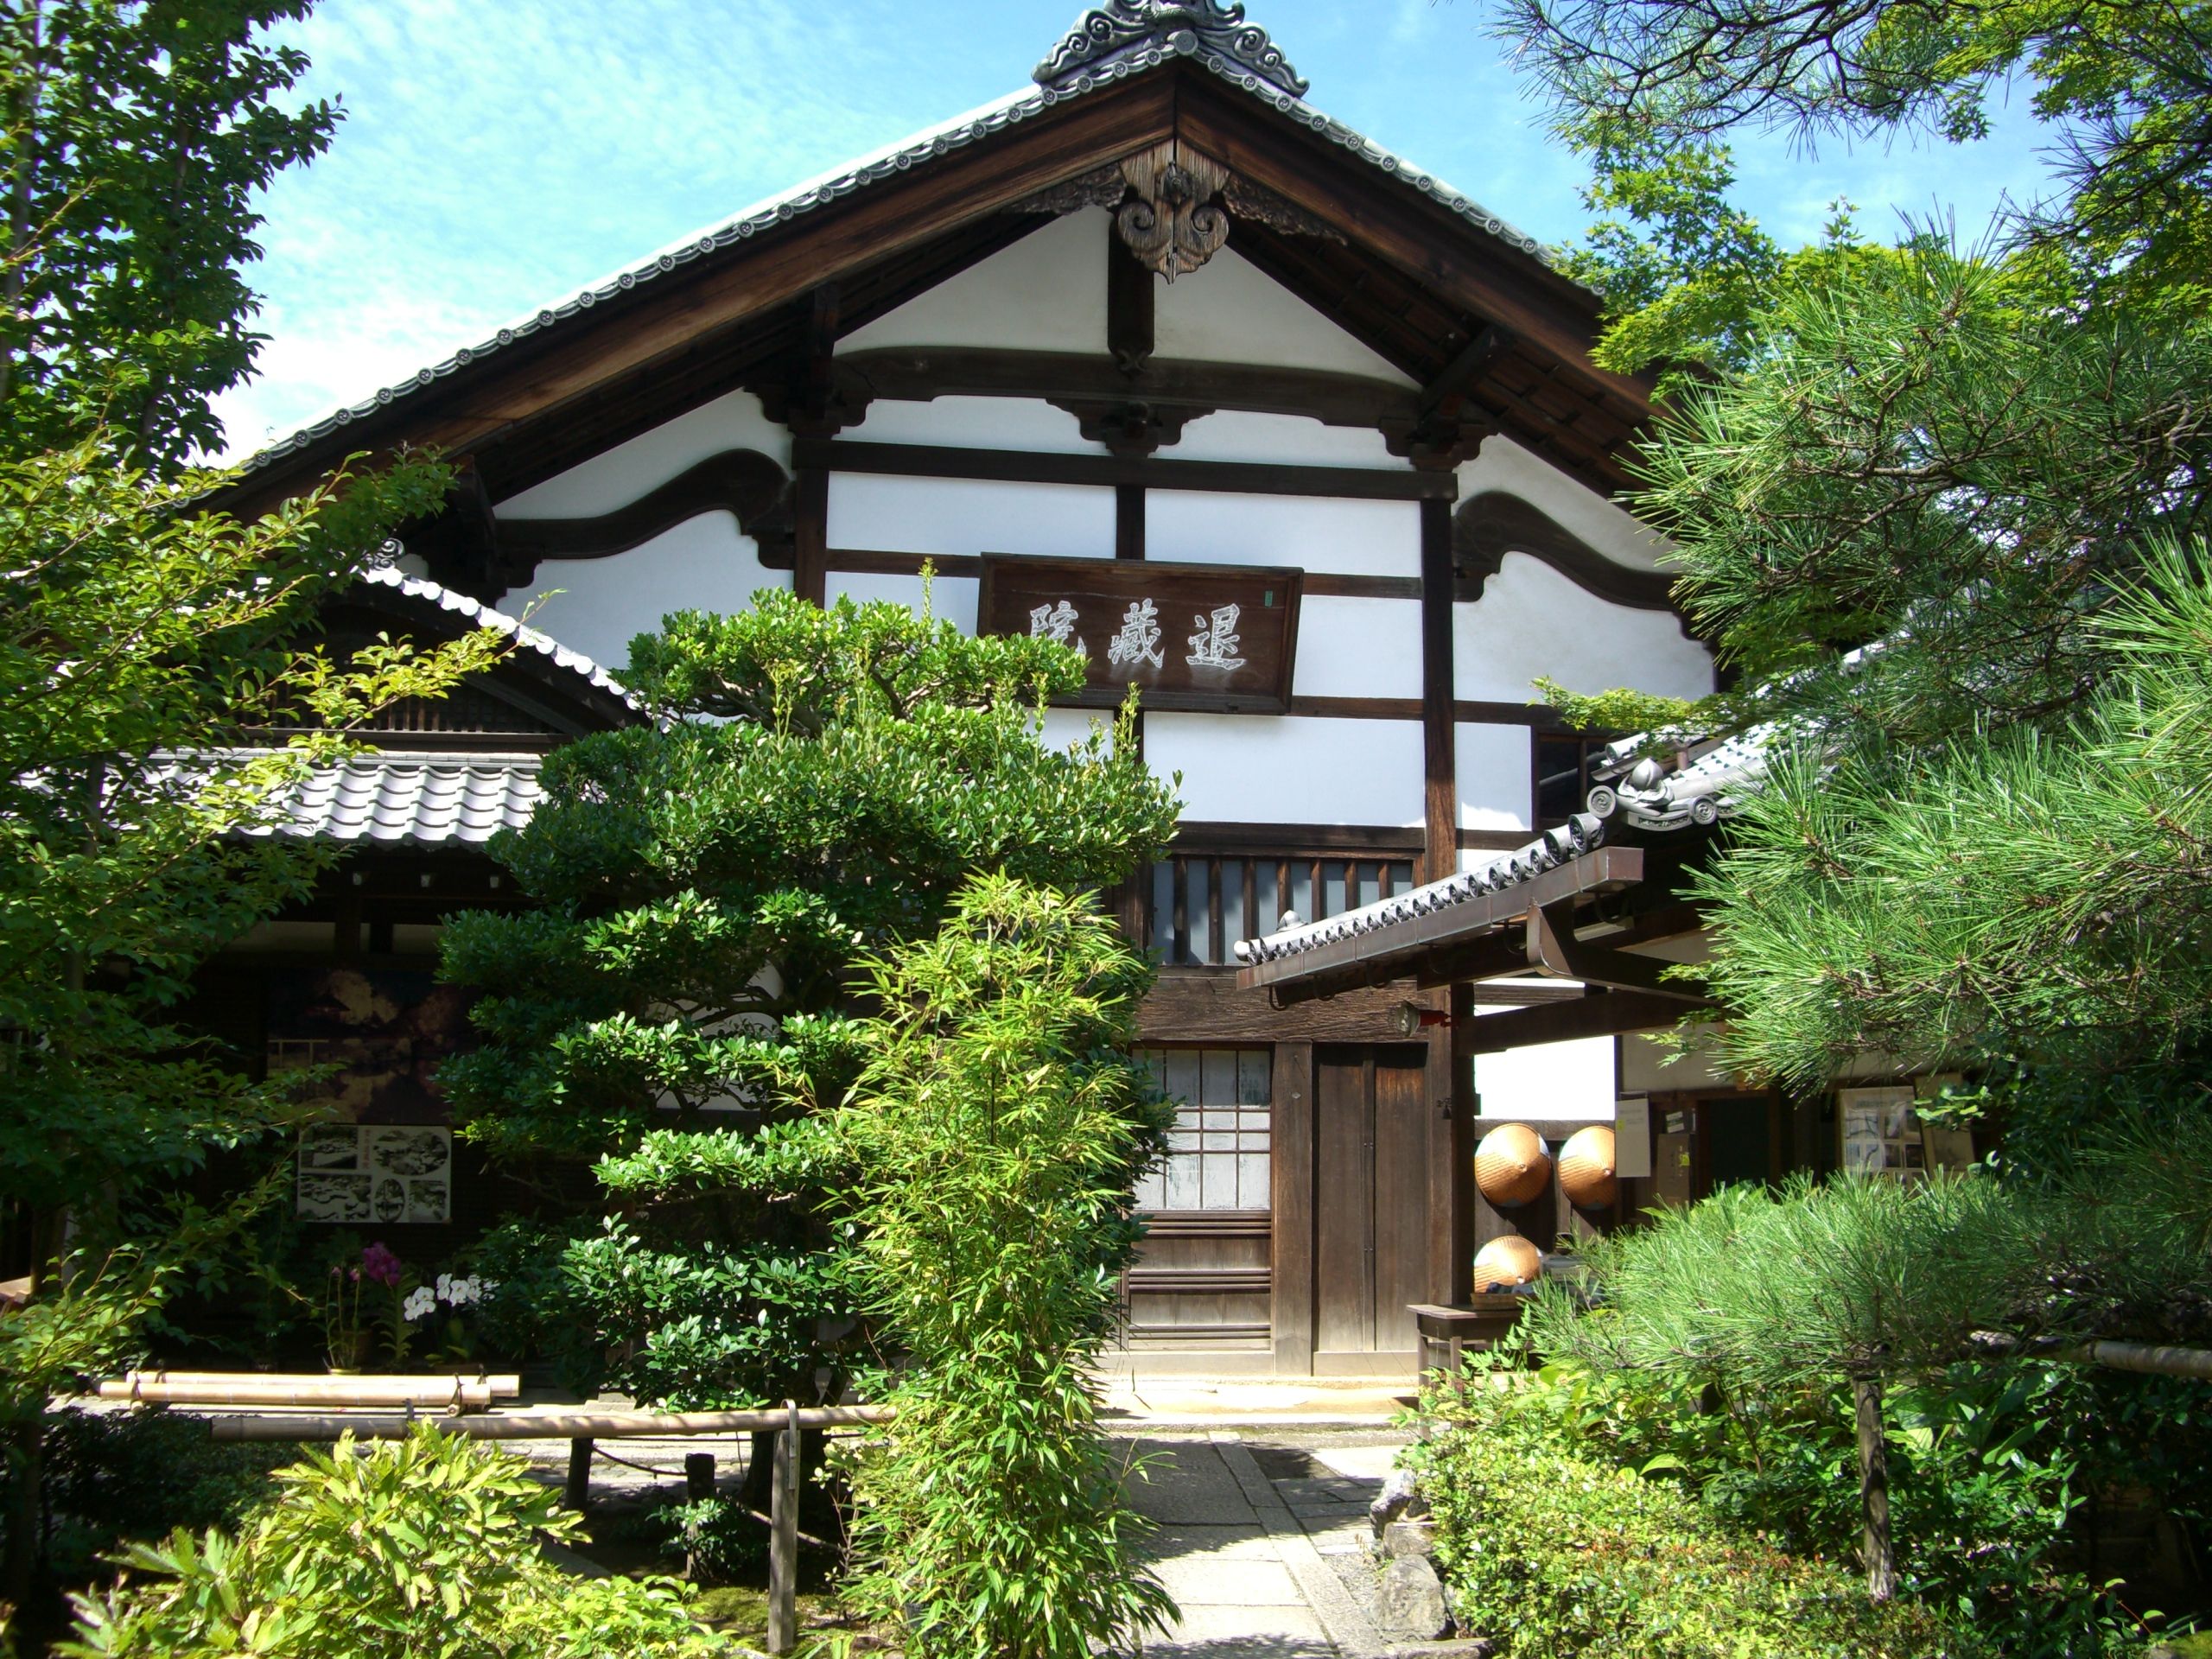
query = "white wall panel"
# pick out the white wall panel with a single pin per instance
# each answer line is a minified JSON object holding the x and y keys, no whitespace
{"x":702,"y":565}
{"x":627,"y":471}
{"x":951,"y":599}
{"x":1230,"y":311}
{"x":1504,"y":465}
{"x":1065,"y":727}
{"x":1532,"y":620}
{"x":1357,"y":538}
{"x":1572,"y":1080}
{"x":962,"y":516}
{"x":1271,"y":769}
{"x":1025,"y":423}
{"x":1359,"y":648}
{"x":1496,"y":772}
{"x":1046,"y":293}
{"x":1240,"y":435}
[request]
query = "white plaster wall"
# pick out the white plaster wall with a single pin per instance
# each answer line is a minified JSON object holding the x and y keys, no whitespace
{"x":1646,"y":1068}
{"x":1284,"y":769}
{"x":1496,"y":780}
{"x":1065,"y":727}
{"x":1240,"y":435}
{"x":1532,"y":620}
{"x":618,"y":476}
{"x":1230,"y":311}
{"x":1046,"y":293}
{"x":701,"y":565}
{"x":1027,"y":424}
{"x":951,"y":599}
{"x":1359,"y":648}
{"x":1574,"y":1079}
{"x":962,"y":516}
{"x":1357,"y":538}
{"x":1503,"y":464}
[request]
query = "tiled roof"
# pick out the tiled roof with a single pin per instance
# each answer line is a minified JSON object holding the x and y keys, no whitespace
{"x":484,"y":616}
{"x":1639,"y":792}
{"x":1652,"y":794}
{"x":908,"y":153}
{"x":412,"y":799}
{"x":1581,"y":834}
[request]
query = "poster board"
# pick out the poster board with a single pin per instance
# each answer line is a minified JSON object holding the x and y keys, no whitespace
{"x":1632,"y":1137}
{"x":1879,"y":1130}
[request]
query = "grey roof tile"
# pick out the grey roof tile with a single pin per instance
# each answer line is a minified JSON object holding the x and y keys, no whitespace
{"x":412,"y":799}
{"x":483,"y":616}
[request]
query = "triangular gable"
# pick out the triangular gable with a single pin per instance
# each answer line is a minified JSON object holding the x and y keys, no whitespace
{"x":1462,"y":303}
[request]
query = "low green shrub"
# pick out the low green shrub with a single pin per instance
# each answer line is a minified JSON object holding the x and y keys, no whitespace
{"x":1551,"y":1554}
{"x":423,"y":1546}
{"x":722,"y":1539}
{"x":118,"y":1478}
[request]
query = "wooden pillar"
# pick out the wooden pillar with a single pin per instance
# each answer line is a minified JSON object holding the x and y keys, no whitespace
{"x":1450,"y":1089}
{"x":810,"y":536}
{"x":1291,"y":1124}
{"x":1128,"y":521}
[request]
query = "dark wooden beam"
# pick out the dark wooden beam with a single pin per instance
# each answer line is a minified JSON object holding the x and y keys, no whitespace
{"x":1607,"y":1013}
{"x":1295,"y":1182}
{"x":744,"y":483}
{"x":923,"y":374}
{"x":1130,"y":300}
{"x":1490,"y":524}
{"x":811,"y":535}
{"x":1106,"y":471}
{"x":1555,"y":949}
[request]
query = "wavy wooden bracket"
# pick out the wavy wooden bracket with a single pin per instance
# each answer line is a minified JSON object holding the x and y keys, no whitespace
{"x":1553,"y":949}
{"x":1490,"y":524}
{"x":744,"y":483}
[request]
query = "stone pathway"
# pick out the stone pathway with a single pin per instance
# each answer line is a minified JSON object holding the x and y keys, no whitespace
{"x":1259,"y":1546}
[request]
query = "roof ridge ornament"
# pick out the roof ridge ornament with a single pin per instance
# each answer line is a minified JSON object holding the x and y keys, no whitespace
{"x":1121,"y":29}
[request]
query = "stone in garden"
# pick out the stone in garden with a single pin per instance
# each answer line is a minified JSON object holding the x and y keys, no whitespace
{"x":1412,"y":1601}
{"x":1409,"y":1538}
{"x":1400,"y":1499}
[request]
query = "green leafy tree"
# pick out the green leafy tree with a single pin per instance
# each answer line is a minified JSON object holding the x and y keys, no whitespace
{"x":1925,"y":503}
{"x":134,"y":135}
{"x":998,"y":1130}
{"x":146,"y":640}
{"x":817,"y":786}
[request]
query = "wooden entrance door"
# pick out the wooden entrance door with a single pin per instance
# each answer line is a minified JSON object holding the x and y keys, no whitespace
{"x":1370,"y":1201}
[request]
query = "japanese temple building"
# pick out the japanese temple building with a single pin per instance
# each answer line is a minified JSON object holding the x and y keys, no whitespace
{"x":1154,"y":356}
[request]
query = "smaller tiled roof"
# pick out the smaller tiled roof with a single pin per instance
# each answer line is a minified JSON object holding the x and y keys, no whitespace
{"x":1581,"y":834}
{"x":411,"y":800}
{"x":483,"y":616}
{"x":1655,"y":794}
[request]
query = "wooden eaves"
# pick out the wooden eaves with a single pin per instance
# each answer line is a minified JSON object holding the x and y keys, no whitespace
{"x":1531,"y":927}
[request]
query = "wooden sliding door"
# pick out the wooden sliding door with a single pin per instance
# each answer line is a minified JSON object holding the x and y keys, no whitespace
{"x":1370,"y":1201}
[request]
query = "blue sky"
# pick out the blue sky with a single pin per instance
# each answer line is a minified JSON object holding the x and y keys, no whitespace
{"x":499,"y":154}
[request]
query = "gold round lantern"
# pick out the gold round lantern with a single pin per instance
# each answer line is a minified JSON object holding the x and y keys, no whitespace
{"x":1511,"y":1166}
{"x":1505,"y":1262}
{"x":1585,"y":1168}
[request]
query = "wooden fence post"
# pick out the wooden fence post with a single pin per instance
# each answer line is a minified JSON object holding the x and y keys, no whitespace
{"x":576,"y":1493}
{"x":783,"y":1539}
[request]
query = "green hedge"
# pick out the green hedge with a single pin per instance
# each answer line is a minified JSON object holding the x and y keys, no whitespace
{"x":1551,"y":1555}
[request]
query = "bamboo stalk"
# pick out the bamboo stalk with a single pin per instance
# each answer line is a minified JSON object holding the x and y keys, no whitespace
{"x":503,"y":1384}
{"x":544,"y":1425}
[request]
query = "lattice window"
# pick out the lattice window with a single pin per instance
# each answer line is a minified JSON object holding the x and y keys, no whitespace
{"x":1218,"y":1152}
{"x":1198,"y":905}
